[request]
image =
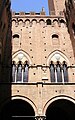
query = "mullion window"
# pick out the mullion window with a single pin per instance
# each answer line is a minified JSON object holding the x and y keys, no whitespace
{"x":59,"y":73}
{"x":52,"y":72}
{"x":19,"y":73}
{"x":13,"y":72}
{"x":65,"y":72}
{"x":25,"y":74}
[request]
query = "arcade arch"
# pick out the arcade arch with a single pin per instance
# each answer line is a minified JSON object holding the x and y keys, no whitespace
{"x":62,"y":107}
{"x":18,"y":108}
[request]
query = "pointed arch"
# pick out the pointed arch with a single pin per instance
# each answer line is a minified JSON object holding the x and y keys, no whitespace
{"x":20,"y":70}
{"x":58,"y":63}
{"x":22,"y":54}
{"x":59,"y":54}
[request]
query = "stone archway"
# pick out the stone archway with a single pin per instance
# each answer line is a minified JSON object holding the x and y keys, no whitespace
{"x":61,"y":109}
{"x":17,"y":109}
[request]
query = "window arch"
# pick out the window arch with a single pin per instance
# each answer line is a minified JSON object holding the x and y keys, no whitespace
{"x":22,"y":62}
{"x":55,"y":22}
{"x":48,"y":21}
{"x":15,"y":36}
{"x":62,"y":21}
{"x":41,"y":21}
{"x":27,"y":22}
{"x":13,"y":22}
{"x":55,"y":36}
{"x":58,"y":63}
{"x":20,"y":21}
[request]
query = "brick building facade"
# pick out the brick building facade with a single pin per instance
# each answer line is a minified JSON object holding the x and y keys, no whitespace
{"x":43,"y":65}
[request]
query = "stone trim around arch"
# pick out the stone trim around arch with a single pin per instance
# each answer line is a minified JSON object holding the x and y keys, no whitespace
{"x":61,"y":55}
{"x":26,"y":56}
{"x":27,"y":100}
{"x":54,"y":99}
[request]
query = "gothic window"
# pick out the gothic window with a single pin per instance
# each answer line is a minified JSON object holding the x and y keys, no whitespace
{"x":19,"y":72}
{"x":59,"y":72}
{"x":52,"y":72}
{"x":25,"y":73}
{"x":13,"y":71}
{"x":65,"y":72}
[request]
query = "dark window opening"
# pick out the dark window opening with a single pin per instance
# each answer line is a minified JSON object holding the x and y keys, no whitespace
{"x":25,"y":74}
{"x":48,"y":22}
{"x":13,"y":72}
{"x":52,"y":72}
{"x":62,"y":21}
{"x":19,"y":72}
{"x":17,"y":110}
{"x":61,"y":110}
{"x":59,"y":72}
{"x":65,"y":72}
{"x":55,"y":20}
{"x":16,"y":36}
{"x":55,"y":36}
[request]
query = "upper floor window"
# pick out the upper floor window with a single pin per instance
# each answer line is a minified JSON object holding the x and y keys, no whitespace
{"x":55,"y":36}
{"x":20,"y":72}
{"x":15,"y":36}
{"x":59,"y":72}
{"x":48,"y":21}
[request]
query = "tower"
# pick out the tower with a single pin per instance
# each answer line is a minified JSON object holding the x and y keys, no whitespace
{"x":43,"y":66}
{"x":56,"y":7}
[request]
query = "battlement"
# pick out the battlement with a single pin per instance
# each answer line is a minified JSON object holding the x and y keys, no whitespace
{"x":32,"y":13}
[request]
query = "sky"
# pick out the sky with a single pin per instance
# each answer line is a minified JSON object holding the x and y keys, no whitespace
{"x":29,"y":5}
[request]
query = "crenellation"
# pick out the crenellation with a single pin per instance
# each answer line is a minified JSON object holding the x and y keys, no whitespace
{"x":45,"y":21}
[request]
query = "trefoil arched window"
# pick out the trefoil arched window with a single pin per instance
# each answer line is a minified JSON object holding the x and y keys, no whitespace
{"x":20,"y":72}
{"x":58,"y":72}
